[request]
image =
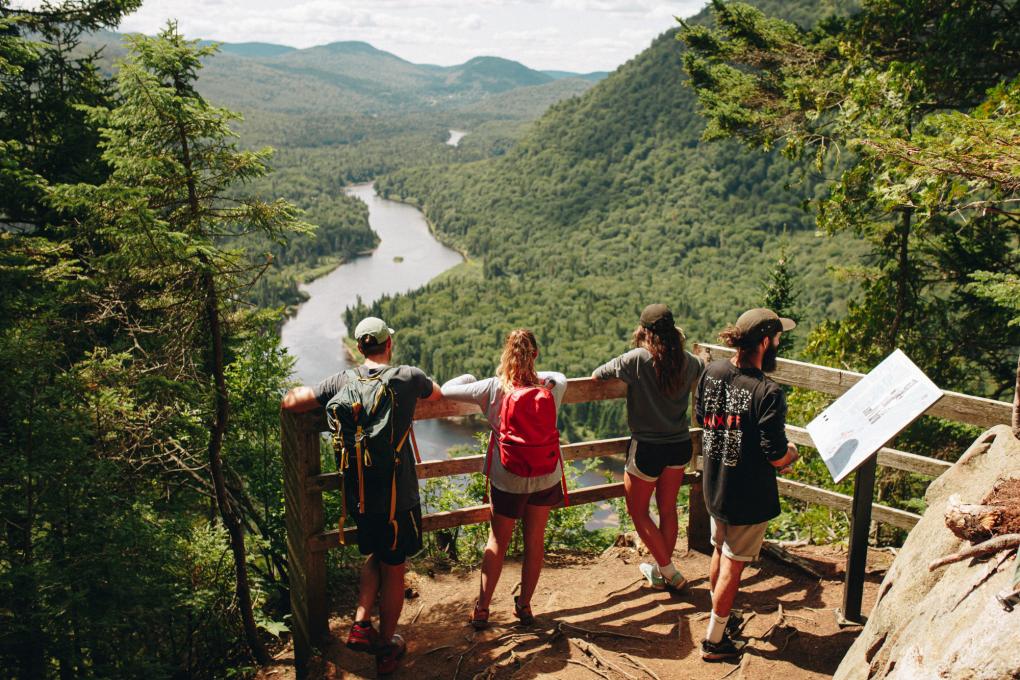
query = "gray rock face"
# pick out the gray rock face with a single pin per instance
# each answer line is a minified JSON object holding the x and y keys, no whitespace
{"x":946,"y":623}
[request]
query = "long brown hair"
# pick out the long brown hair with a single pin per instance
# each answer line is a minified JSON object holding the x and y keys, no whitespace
{"x":665,"y":343}
{"x":517,"y":363}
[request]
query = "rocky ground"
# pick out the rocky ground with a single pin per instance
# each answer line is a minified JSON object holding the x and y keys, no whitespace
{"x":597,"y":619}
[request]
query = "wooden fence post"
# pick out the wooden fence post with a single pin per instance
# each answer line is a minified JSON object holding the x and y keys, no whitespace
{"x":698,"y":527}
{"x":299,"y":437}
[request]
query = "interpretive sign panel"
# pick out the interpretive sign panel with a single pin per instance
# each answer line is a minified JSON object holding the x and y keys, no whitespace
{"x":871,"y":413}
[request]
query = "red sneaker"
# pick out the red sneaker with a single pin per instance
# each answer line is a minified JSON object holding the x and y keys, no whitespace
{"x":389,"y":659}
{"x":362,"y":638}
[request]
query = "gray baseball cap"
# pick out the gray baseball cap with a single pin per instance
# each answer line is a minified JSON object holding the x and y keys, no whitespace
{"x":375,"y":327}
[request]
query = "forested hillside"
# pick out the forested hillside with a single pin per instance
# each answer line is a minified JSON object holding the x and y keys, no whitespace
{"x":141,"y":488}
{"x":610,"y":202}
{"x":331,"y":124}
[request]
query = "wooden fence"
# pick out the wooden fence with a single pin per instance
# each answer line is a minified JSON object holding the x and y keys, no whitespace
{"x":308,"y":538}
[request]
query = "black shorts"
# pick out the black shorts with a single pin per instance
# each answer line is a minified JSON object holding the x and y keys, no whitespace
{"x":512,"y":504}
{"x":375,"y":535}
{"x":646,"y":461}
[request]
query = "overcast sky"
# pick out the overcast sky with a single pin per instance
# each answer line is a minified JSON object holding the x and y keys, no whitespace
{"x":571,"y":35}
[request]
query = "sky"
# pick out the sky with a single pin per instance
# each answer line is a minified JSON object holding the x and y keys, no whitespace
{"x":569,"y":35}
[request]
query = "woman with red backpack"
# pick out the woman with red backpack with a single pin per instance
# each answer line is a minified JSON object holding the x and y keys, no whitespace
{"x":660,"y":375}
{"x":523,"y":463}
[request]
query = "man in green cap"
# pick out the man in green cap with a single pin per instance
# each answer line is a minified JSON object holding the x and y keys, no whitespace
{"x":743,"y":414}
{"x":388,"y":521}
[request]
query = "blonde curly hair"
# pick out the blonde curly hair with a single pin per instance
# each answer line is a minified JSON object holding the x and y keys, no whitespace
{"x":517,"y":363}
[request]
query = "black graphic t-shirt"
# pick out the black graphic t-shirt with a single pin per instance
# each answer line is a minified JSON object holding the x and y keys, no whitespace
{"x":743,"y":414}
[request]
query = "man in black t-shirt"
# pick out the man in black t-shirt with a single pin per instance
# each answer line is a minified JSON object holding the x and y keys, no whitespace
{"x":743,"y":414}
{"x":382,"y":575}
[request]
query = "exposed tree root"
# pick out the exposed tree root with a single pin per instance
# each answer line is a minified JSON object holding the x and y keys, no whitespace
{"x":994,"y":545}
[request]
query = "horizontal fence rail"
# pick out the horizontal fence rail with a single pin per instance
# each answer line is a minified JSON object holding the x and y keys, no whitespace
{"x":308,"y":540}
{"x":952,"y":406}
{"x":480,"y":513}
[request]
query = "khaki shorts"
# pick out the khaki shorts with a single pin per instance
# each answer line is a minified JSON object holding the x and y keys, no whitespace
{"x":739,"y":542}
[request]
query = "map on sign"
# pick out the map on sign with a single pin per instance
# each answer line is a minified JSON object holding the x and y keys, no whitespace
{"x":871,"y":413}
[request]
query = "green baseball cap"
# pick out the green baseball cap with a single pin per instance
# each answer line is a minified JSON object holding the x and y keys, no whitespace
{"x":759,"y":323}
{"x":375,"y":327}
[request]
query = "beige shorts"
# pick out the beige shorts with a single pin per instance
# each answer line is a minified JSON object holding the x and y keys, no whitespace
{"x":739,"y":542}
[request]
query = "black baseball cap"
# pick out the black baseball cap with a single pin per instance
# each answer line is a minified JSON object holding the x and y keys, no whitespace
{"x":656,"y":316}
{"x":759,"y":323}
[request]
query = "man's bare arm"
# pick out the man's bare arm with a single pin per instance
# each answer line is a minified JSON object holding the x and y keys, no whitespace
{"x":300,"y":400}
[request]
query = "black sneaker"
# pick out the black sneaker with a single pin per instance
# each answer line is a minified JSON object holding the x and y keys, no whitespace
{"x":724,"y":649}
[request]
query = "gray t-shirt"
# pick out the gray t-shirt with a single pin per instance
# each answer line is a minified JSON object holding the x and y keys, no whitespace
{"x":409,"y":384}
{"x":652,"y":415}
{"x":488,"y":395}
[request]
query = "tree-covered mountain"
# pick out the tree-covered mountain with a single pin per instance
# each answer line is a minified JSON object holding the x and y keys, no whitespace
{"x":347,"y":112}
{"x":609,"y":202}
{"x":352,"y":77}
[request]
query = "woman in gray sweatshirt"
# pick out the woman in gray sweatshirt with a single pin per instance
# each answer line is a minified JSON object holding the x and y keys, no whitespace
{"x":659,"y":374}
{"x":513,"y":497}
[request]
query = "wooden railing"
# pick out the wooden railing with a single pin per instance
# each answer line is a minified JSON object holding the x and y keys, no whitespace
{"x":308,"y":538}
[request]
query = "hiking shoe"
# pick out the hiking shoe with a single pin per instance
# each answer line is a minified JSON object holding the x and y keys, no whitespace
{"x":719,"y":651}
{"x":651,"y":572}
{"x":362,"y":638}
{"x":389,"y":659}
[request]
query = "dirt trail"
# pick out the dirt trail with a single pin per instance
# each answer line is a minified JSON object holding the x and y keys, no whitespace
{"x":635,"y":632}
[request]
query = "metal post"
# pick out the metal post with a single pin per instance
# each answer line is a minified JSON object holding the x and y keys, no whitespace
{"x":860,"y":526}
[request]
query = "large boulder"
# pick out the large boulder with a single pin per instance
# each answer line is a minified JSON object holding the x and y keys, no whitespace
{"x":946,"y":623}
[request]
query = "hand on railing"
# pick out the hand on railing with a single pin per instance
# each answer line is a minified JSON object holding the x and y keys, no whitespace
{"x":787,"y":461}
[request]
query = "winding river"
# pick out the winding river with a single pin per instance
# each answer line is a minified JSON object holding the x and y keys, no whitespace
{"x":408,"y":257}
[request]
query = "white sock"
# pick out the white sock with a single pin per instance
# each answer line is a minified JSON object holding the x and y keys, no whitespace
{"x":667,"y":571}
{"x":716,"y":627}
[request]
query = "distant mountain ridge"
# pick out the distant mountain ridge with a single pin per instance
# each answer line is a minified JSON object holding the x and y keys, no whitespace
{"x":354,"y":77}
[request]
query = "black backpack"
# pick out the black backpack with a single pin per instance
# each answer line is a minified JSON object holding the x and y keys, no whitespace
{"x":367,"y":447}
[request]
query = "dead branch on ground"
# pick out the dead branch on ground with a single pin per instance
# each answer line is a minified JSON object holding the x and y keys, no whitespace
{"x":989,"y":547}
{"x":640,"y":666}
{"x":560,"y":626}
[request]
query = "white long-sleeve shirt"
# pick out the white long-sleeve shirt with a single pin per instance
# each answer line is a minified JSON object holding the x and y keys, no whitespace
{"x":488,"y":395}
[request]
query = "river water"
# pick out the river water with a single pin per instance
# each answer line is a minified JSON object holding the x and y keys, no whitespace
{"x":455,"y":137}
{"x":408,"y":257}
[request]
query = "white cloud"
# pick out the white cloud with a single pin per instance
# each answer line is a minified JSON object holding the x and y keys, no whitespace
{"x":602,"y":33}
{"x":472,"y":22}
{"x":529,"y":35}
{"x":613,"y":6}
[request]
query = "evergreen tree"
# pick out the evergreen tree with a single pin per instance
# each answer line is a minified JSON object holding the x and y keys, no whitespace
{"x":866,"y":96}
{"x":164,"y":278}
{"x":782,"y":295}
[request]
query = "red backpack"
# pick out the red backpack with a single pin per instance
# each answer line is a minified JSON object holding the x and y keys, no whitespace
{"x":529,"y":443}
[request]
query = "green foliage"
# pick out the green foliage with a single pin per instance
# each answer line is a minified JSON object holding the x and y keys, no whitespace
{"x":608,"y":202}
{"x":104,"y":343}
{"x":886,"y":92}
{"x":782,"y":295}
